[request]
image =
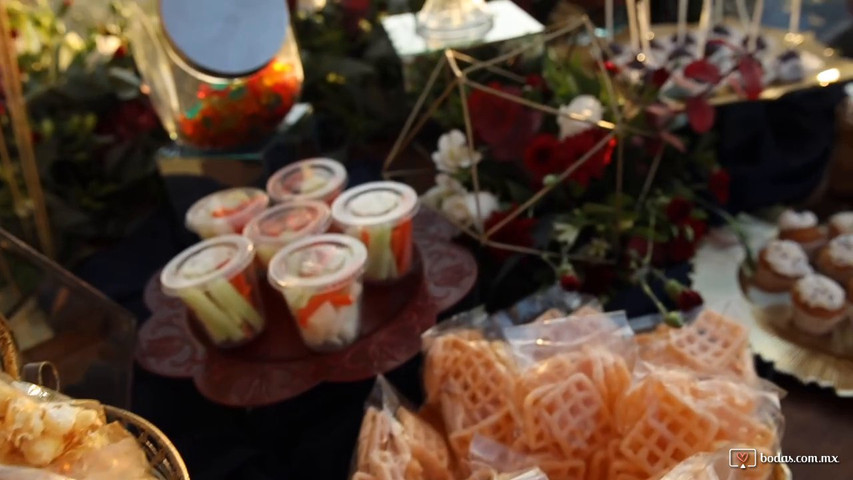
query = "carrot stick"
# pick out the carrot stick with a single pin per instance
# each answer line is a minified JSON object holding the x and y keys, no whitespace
{"x":336,"y":298}
{"x":401,"y":245}
{"x":241,"y":284}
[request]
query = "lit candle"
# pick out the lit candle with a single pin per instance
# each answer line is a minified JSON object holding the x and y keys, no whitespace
{"x":631,"y":6}
{"x":796,"y":7}
{"x":682,"y":21}
{"x":608,"y":18}
{"x":704,"y":25}
{"x":756,"y":24}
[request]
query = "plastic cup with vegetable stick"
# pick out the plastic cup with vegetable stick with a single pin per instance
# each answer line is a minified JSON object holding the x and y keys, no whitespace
{"x":226,"y":212}
{"x":380,"y":215}
{"x":320,"y":179}
{"x":217,"y":281}
{"x":280,"y":225}
{"x":320,"y":278}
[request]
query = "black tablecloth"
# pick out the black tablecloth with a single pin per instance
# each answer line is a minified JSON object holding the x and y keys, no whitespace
{"x":776,"y":152}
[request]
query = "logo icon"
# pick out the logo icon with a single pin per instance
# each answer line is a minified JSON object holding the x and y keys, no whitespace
{"x":743,"y":458}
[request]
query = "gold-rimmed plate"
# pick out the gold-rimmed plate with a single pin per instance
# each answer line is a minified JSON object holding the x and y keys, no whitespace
{"x":717,"y":276}
{"x":824,"y":65}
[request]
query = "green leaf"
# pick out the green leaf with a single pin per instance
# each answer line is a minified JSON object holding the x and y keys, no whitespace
{"x":518,"y":192}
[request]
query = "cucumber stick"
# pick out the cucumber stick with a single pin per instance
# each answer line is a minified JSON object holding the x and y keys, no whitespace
{"x":380,"y":259}
{"x":217,"y":323}
{"x":230,"y":300}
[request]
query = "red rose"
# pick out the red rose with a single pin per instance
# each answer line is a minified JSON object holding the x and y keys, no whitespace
{"x":718,"y":184}
{"x":680,"y":249}
{"x":505,"y":125}
{"x":570,"y":283}
{"x":540,"y":158}
{"x":535,"y":81}
{"x":699,"y":227}
{"x":678,"y":210}
{"x":572,"y":149}
{"x":354,"y":12}
{"x":688,"y":300}
{"x":637,"y":248}
{"x":659,"y":77}
{"x":120,"y":52}
{"x":129,"y":120}
{"x":518,"y":232}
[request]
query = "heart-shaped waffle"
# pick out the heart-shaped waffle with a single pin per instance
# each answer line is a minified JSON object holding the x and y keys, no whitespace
{"x":670,"y":430}
{"x":570,"y":415}
{"x":472,"y":376}
{"x":502,"y":428}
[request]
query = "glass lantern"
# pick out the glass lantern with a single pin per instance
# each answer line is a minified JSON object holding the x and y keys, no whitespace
{"x":204,"y":108}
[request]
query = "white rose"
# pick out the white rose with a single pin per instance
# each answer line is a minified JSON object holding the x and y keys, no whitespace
{"x":488,"y":206}
{"x":445,"y":186}
{"x":453,"y":153}
{"x":448,"y":183}
{"x":579,"y":115}
{"x":456,"y":209}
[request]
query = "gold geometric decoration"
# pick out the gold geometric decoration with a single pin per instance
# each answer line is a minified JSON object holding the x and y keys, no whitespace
{"x":33,"y":201}
{"x":461,"y":70}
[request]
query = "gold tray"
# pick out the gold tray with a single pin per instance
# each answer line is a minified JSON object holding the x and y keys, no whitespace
{"x":834,"y":67}
{"x":717,"y":275}
{"x":811,"y":359}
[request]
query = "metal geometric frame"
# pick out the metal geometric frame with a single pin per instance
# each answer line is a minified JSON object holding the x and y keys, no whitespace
{"x":461,"y":66}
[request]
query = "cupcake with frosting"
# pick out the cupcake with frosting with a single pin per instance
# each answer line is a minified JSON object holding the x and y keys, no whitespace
{"x":803,"y":228}
{"x":780,"y":264}
{"x":840,"y":224}
{"x":819,"y":304}
{"x":835,"y":260}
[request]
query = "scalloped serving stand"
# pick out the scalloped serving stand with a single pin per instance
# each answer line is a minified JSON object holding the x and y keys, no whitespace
{"x":277,"y":365}
{"x":717,"y":276}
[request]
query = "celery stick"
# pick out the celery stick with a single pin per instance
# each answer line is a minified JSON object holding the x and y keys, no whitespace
{"x":231,"y":301}
{"x":386,"y":262}
{"x":373,"y":269}
{"x":216,"y":322}
{"x":297,"y":297}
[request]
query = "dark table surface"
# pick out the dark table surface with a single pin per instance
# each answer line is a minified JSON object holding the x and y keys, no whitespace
{"x":312,"y":436}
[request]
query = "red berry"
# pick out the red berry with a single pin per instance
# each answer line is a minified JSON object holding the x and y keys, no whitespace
{"x":570,"y":283}
{"x":689,"y":299}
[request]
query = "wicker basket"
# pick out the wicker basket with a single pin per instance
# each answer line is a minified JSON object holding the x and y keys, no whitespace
{"x":162,"y":455}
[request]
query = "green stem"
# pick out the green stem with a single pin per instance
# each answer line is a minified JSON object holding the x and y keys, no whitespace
{"x":654,"y":298}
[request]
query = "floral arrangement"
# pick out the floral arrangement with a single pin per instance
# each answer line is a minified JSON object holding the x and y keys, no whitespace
{"x":604,"y":183}
{"x":95,"y":133}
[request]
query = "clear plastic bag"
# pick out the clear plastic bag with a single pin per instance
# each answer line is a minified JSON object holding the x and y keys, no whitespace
{"x":535,"y":342}
{"x":552,"y":300}
{"x":43,"y":430}
{"x":713,"y":344}
{"x":26,"y":473}
{"x":396,"y":444}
